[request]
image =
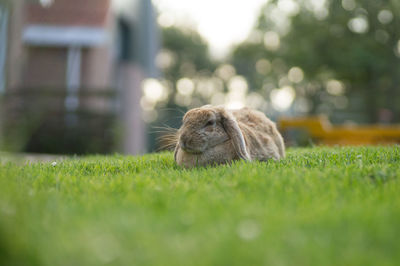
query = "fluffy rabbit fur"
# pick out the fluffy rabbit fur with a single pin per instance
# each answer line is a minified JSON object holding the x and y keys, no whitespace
{"x":214,"y":135}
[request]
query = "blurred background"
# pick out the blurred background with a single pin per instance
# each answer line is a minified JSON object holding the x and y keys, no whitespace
{"x":105,"y":76}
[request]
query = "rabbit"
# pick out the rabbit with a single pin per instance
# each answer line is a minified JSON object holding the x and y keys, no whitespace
{"x":215,"y":135}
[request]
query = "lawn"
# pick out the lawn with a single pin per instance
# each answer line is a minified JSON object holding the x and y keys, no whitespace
{"x":319,"y":206}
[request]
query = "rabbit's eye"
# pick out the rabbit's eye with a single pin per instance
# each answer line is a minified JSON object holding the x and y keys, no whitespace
{"x":210,"y":123}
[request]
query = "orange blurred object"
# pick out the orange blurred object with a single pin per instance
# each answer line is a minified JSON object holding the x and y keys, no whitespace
{"x":323,"y":132}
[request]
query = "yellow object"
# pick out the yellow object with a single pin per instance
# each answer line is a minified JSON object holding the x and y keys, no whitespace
{"x":323,"y":132}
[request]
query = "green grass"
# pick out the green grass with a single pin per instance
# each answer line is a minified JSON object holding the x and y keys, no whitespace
{"x":319,"y":206}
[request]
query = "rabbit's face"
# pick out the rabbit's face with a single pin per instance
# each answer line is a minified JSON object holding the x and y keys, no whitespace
{"x":201,"y":130}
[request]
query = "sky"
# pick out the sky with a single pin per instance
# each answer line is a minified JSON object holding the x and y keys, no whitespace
{"x":221,"y":22}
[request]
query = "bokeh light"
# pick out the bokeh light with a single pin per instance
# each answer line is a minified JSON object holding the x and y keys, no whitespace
{"x":154,"y":91}
{"x":385,"y":16}
{"x":296,"y":74}
{"x":282,"y":98}
{"x":271,"y":40}
{"x":185,"y":86}
{"x":335,"y":87}
{"x":358,"y":24}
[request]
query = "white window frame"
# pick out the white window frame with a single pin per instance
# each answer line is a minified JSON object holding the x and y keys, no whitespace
{"x":74,"y":38}
{"x":3,"y":46}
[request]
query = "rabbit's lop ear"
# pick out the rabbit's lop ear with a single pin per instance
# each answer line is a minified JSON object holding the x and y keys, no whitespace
{"x":232,"y":129}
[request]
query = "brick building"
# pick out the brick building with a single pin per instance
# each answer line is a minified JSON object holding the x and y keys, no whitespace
{"x":74,"y":47}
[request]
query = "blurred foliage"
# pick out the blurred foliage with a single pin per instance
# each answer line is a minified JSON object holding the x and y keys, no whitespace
{"x":189,"y":53}
{"x":353,"y":43}
{"x":34,"y":120}
{"x":338,"y":58}
{"x":305,"y":57}
{"x":184,"y":55}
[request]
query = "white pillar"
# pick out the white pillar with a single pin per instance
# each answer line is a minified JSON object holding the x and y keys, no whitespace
{"x":73,"y":80}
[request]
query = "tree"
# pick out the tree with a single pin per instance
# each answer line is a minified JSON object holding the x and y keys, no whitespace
{"x":353,"y":43}
{"x":185,"y":62}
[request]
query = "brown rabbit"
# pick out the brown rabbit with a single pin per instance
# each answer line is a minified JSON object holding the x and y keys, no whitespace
{"x":214,"y":135}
